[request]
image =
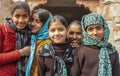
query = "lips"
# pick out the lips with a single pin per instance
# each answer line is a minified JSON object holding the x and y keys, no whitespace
{"x":33,"y":28}
{"x":58,"y":38}
{"x":75,"y":41}
{"x":97,"y":37}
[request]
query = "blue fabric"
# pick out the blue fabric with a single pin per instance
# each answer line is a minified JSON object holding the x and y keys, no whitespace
{"x":105,"y":68}
{"x":41,"y":35}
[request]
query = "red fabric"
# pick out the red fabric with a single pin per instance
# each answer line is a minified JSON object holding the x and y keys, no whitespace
{"x":8,"y":54}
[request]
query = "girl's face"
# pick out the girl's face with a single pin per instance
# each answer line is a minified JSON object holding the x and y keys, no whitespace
{"x":57,"y":32}
{"x":96,"y":31}
{"x":20,"y":18}
{"x":75,"y":33}
{"x":36,"y":24}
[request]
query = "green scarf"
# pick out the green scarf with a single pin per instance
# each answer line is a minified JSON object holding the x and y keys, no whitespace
{"x":105,"y":68}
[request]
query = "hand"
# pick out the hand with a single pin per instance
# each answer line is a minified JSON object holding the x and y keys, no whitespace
{"x":75,"y":45}
{"x":25,"y":51}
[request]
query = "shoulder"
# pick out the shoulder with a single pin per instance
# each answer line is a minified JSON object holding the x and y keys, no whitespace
{"x":114,"y":55}
{"x":47,"y":41}
{"x":2,"y":26}
{"x":82,"y":47}
{"x":44,"y":50}
{"x":86,"y":49}
{"x":43,"y":42}
{"x":5,"y":28}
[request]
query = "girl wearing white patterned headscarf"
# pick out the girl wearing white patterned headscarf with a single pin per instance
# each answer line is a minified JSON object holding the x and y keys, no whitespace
{"x":96,"y":57}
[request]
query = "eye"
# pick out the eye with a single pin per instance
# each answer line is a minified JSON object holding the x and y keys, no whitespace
{"x":25,"y":16}
{"x":61,"y":29}
{"x":52,"y":30}
{"x":79,"y":33}
{"x":17,"y":16}
{"x":38,"y":21}
{"x":99,"y":27}
{"x":89,"y":29}
{"x":71,"y":33}
{"x":32,"y":19}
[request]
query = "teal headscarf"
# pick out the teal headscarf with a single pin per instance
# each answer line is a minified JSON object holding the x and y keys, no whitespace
{"x":105,"y":68}
{"x":41,"y":35}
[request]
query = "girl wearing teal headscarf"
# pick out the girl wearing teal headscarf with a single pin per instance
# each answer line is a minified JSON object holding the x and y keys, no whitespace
{"x":96,"y":57}
{"x":40,"y":37}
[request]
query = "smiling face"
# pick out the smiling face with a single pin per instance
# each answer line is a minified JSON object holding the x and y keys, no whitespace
{"x":96,"y":31}
{"x":20,"y":18}
{"x":57,"y":32}
{"x":36,"y":24}
{"x":75,"y":33}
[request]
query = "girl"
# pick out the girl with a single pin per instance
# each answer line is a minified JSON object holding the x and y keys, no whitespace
{"x":96,"y":57}
{"x":74,"y":33}
{"x":39,"y":29}
{"x":55,"y":59}
{"x":14,"y":41}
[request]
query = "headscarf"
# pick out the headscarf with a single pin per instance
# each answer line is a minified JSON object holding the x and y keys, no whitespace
{"x":41,"y":35}
{"x":105,"y":68}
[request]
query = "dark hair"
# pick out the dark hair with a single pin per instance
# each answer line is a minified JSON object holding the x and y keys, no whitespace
{"x":43,"y":14}
{"x":58,"y":18}
{"x":74,"y":22}
{"x":20,"y":5}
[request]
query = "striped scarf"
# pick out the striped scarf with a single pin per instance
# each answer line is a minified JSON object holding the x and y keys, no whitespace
{"x":22,"y":39}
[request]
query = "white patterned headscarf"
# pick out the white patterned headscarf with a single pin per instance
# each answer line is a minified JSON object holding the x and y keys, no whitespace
{"x":105,"y":68}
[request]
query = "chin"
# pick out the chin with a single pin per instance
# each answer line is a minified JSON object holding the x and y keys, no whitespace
{"x":58,"y":42}
{"x":98,"y":38}
{"x":20,"y":28}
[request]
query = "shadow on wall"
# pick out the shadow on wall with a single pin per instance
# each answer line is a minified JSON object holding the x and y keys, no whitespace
{"x":69,"y":12}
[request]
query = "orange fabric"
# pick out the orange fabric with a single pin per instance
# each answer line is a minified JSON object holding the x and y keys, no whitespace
{"x":39,"y":44}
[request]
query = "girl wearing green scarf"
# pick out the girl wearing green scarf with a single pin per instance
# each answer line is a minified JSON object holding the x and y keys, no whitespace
{"x":55,"y":59}
{"x":96,"y":56}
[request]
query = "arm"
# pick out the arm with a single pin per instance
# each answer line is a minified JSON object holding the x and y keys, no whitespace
{"x":116,"y":65}
{"x":75,"y":70}
{"x":7,"y":57}
{"x":41,"y":66}
{"x":13,"y":56}
{"x":78,"y":62}
{"x":10,"y":54}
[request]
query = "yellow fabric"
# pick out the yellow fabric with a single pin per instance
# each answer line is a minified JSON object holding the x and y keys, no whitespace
{"x":39,"y":43}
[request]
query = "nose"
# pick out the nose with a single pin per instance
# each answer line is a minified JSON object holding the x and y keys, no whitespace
{"x":94,"y":31}
{"x":21,"y":19}
{"x":74,"y":36}
{"x":32,"y":23}
{"x":56,"y":32}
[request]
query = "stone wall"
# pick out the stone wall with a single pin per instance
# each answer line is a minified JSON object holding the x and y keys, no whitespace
{"x":107,"y":8}
{"x":114,"y":21}
{"x":5,"y":9}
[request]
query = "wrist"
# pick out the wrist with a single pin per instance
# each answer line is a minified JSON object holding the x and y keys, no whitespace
{"x":21,"y":52}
